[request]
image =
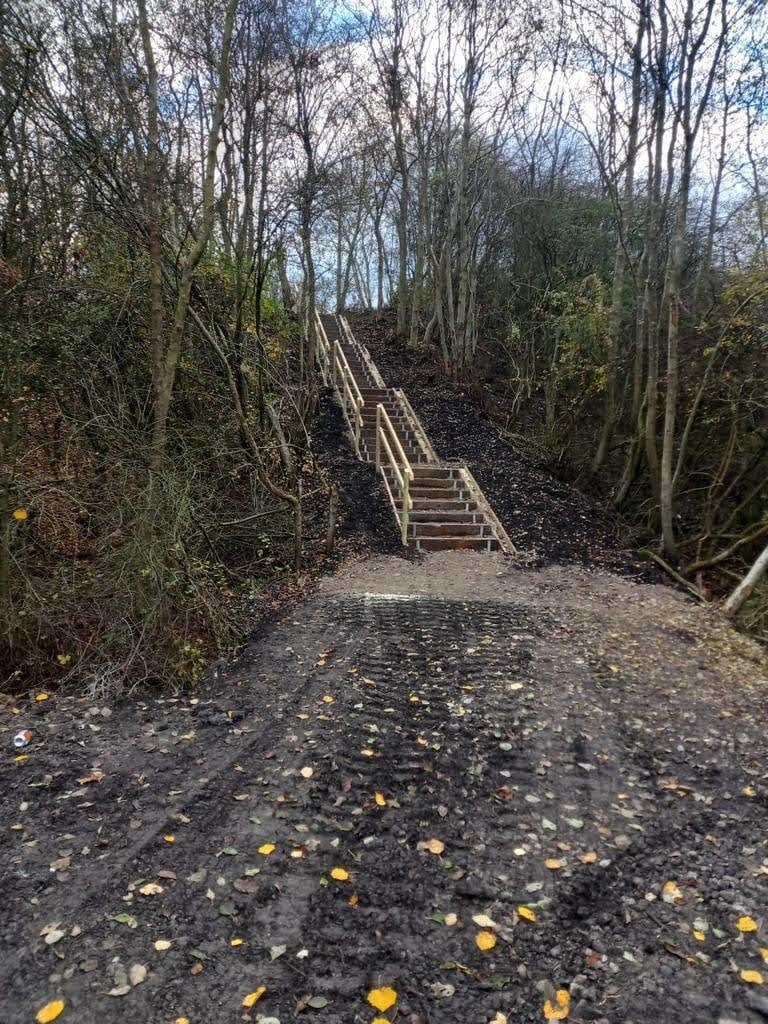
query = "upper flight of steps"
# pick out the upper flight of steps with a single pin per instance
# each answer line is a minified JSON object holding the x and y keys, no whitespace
{"x":449,"y":511}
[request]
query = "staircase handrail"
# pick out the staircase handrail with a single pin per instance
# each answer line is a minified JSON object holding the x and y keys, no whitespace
{"x":402,"y":473}
{"x":323,"y":350}
{"x":352,"y":402}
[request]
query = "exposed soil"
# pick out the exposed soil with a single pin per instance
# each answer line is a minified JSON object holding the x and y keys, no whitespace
{"x":366,"y":524}
{"x":521,"y":717}
{"x":548,"y":519}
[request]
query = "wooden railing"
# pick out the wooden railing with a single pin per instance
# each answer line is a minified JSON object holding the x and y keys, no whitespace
{"x":323,"y":351}
{"x":352,"y":402}
{"x":388,"y":442}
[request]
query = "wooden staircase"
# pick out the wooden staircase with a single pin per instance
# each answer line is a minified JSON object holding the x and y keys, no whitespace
{"x":438,"y":504}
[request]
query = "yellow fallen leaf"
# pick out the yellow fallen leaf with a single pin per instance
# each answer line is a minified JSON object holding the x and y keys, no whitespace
{"x":671,"y":893}
{"x":764,"y":953}
{"x":297,"y":853}
{"x":353,"y":900}
{"x":307,"y":773}
{"x":553,"y":863}
{"x":328,"y":699}
{"x":435,"y":846}
{"x":699,"y":936}
{"x":421,"y":741}
{"x":589,"y":857}
{"x":302,"y":718}
{"x":340,"y":874}
{"x":197,"y":968}
{"x":749,"y":791}
{"x":450,"y":920}
{"x":253,"y":997}
{"x":162,"y":944}
{"x":526,"y":913}
{"x":235,"y":942}
{"x":382,"y":998}
{"x":380,"y":1020}
{"x":485,"y":941}
{"x":367,"y":752}
{"x":751,"y":977}
{"x":181,"y":1020}
{"x":42,"y":696}
{"x":380,"y":799}
{"x":266,"y":848}
{"x":561,"y":1007}
{"x":50,"y":1011}
{"x":746,"y":924}
{"x":169,"y":839}
{"x":63,"y":659}
{"x":21,"y":514}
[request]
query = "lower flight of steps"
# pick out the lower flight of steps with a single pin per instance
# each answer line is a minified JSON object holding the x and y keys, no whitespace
{"x":449,"y":511}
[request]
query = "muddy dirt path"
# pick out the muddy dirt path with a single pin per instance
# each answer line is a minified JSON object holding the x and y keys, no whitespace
{"x":576,"y":760}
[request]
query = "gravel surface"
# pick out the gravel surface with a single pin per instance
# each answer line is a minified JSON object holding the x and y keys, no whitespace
{"x":565,"y":759}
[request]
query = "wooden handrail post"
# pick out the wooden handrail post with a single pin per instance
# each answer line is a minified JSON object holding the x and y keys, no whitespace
{"x":358,"y":422}
{"x":378,"y":437}
{"x":406,"y":503}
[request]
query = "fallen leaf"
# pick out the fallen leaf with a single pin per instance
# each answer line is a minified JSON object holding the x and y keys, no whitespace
{"x":381,"y":800}
{"x":266,"y":849}
{"x":42,"y":696}
{"x":137,"y":974}
{"x":699,"y":936}
{"x":197,"y":969}
{"x":553,"y":863}
{"x":561,"y":1007}
{"x":235,"y":942}
{"x":751,"y":977}
{"x":20,"y":514}
{"x":435,"y":846}
{"x":328,"y":699}
{"x":746,"y":924}
{"x":588,"y":858}
{"x":317,"y":1002}
{"x":749,"y":791}
{"x":483,"y":921}
{"x":450,"y":920}
{"x":246,"y":885}
{"x":382,"y":998}
{"x":61,"y":864}
{"x":764,"y":953}
{"x":95,"y":776}
{"x":367,"y":752}
{"x":307,"y":773}
{"x":169,"y":839}
{"x":151,"y":889}
{"x":526,"y":913}
{"x":485,"y":941}
{"x":671,"y":893}
{"x":340,"y":874}
{"x":275,"y":952}
{"x":253,"y":997}
{"x":162,"y":944}
{"x":50,"y":1011}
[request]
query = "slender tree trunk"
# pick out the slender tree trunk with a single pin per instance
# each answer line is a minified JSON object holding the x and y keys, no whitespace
{"x":166,"y":372}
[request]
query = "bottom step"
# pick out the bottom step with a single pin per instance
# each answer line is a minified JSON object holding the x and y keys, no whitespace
{"x":450,"y":543}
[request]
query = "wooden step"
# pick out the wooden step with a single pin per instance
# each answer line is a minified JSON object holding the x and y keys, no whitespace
{"x":452,"y":529}
{"x":438,"y":506}
{"x":451,"y":543}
